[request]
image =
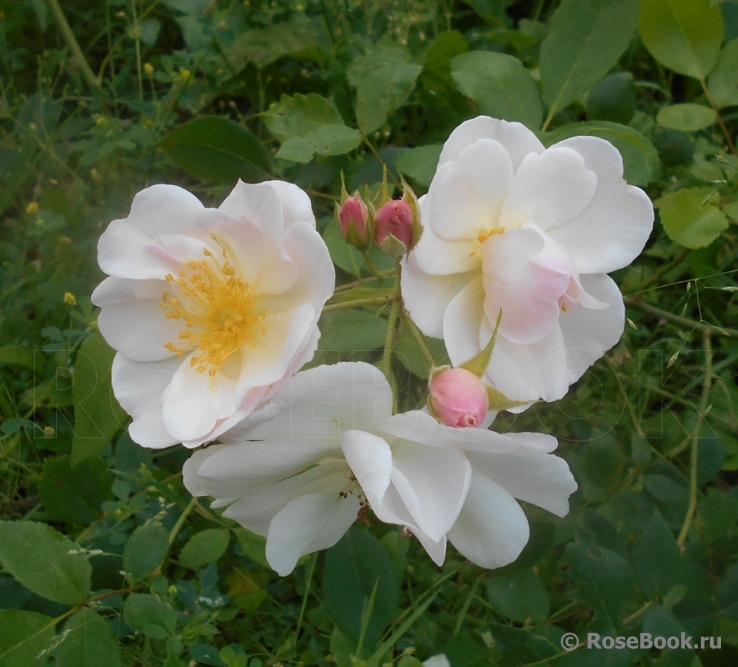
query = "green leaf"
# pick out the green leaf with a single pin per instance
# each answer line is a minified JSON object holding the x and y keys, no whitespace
{"x":141,"y":610}
{"x":718,"y":514}
{"x":683,"y":35}
{"x":686,"y":117}
{"x":205,"y":547}
{"x":656,"y":558}
{"x":499,"y":85}
{"x":437,"y":64}
{"x":218,"y":150}
{"x":145,"y":550}
{"x":690,"y":218}
{"x":420,"y":163}
{"x":613,"y":98}
{"x":516,"y":647}
{"x":300,"y":37}
{"x":384,"y":77}
{"x":44,"y":561}
{"x":89,"y":642}
{"x":352,"y":331}
{"x":520,"y":597}
{"x":604,"y":581}
{"x":352,"y":569}
{"x":23,"y":636}
{"x":586,"y":39}
{"x":640,"y":159}
{"x":15,"y":354}
{"x":309,"y":125}
{"x":722,"y":82}
{"x":97,"y":415}
{"x":253,"y":545}
{"x":349,"y":258}
{"x":75,"y":494}
{"x":345,"y":650}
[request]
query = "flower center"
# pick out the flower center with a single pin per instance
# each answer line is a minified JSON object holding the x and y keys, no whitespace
{"x":217,"y":308}
{"x":483,"y":236}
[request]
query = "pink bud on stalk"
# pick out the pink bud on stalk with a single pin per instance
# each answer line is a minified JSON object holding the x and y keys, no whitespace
{"x":458,"y":397}
{"x":353,"y":220}
{"x":397,"y":227}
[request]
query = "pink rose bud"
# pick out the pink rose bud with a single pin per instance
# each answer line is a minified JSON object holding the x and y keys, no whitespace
{"x":353,"y":221}
{"x":394,"y":229}
{"x":458,"y":397}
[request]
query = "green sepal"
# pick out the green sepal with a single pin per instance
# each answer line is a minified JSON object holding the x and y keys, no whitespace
{"x":500,"y":401}
{"x":408,"y":196}
{"x":479,"y":362}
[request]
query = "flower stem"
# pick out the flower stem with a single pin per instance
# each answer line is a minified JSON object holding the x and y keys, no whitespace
{"x":370,"y":264}
{"x":419,"y":339}
{"x":389,"y":340}
{"x":181,"y":520}
{"x":358,"y":303}
{"x":720,"y":120}
{"x":683,"y":322}
{"x":706,"y":386}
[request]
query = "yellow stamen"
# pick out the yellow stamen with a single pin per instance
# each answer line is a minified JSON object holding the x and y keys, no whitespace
{"x":217,"y":308}
{"x":483,"y":236}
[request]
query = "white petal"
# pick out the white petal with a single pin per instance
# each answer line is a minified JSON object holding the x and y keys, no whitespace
{"x":611,"y":232}
{"x":370,"y":459}
{"x":549,"y":189}
{"x":435,"y":549}
{"x":191,"y":469}
{"x":438,"y":256}
{"x":426,"y":296}
{"x":307,"y":524}
{"x":492,"y":529}
{"x":542,"y":479}
{"x":515,"y":137}
{"x":462,"y":322}
{"x":132,"y":319}
{"x":296,"y":205}
{"x":138,"y":388}
{"x":466,"y":197}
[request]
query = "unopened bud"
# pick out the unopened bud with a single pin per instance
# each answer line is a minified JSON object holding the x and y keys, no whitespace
{"x":393,"y":224}
{"x":457,"y":398}
{"x":352,"y":216}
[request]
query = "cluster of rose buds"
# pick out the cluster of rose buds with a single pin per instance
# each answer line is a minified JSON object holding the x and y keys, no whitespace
{"x":393,"y":224}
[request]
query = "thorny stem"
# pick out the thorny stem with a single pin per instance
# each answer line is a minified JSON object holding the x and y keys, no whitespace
{"x":357,"y":303}
{"x":706,"y":386}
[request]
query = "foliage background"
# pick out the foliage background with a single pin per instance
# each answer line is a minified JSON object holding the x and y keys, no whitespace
{"x":107,"y":560}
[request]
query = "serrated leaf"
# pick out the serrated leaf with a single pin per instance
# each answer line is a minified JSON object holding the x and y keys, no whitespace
{"x":145,"y":550}
{"x":420,"y":163}
{"x":437,"y":64}
{"x":89,"y":642}
{"x":384,"y":76}
{"x":640,"y":159}
{"x":75,"y":494}
{"x":604,"y":581}
{"x":686,"y":117}
{"x":328,"y":140}
{"x":656,"y":558}
{"x":500,"y":86}
{"x":97,"y":414}
{"x":517,"y":647}
{"x":217,"y":149}
{"x":23,"y":636}
{"x":352,"y":570}
{"x":683,"y":35}
{"x":520,"y":597}
{"x":690,"y":218}
{"x":723,"y":82}
{"x":351,"y":331}
{"x":586,"y":39}
{"x":44,"y":561}
{"x":204,"y":547}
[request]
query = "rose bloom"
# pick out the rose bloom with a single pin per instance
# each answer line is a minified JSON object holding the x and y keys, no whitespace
{"x":209,"y":310}
{"x":327,"y":448}
{"x":530,"y":231}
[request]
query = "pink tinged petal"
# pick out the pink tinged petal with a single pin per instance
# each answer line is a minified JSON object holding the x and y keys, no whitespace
{"x":316,"y":274}
{"x":138,"y":388}
{"x":427,"y":296}
{"x":549,"y":189}
{"x":518,"y":281}
{"x":155,"y":211}
{"x":517,"y":139}
{"x":132,"y":319}
{"x":466,"y":197}
{"x":305,"y":525}
{"x":611,"y":232}
{"x":462,"y":321}
{"x":296,"y":205}
{"x":492,"y":529}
